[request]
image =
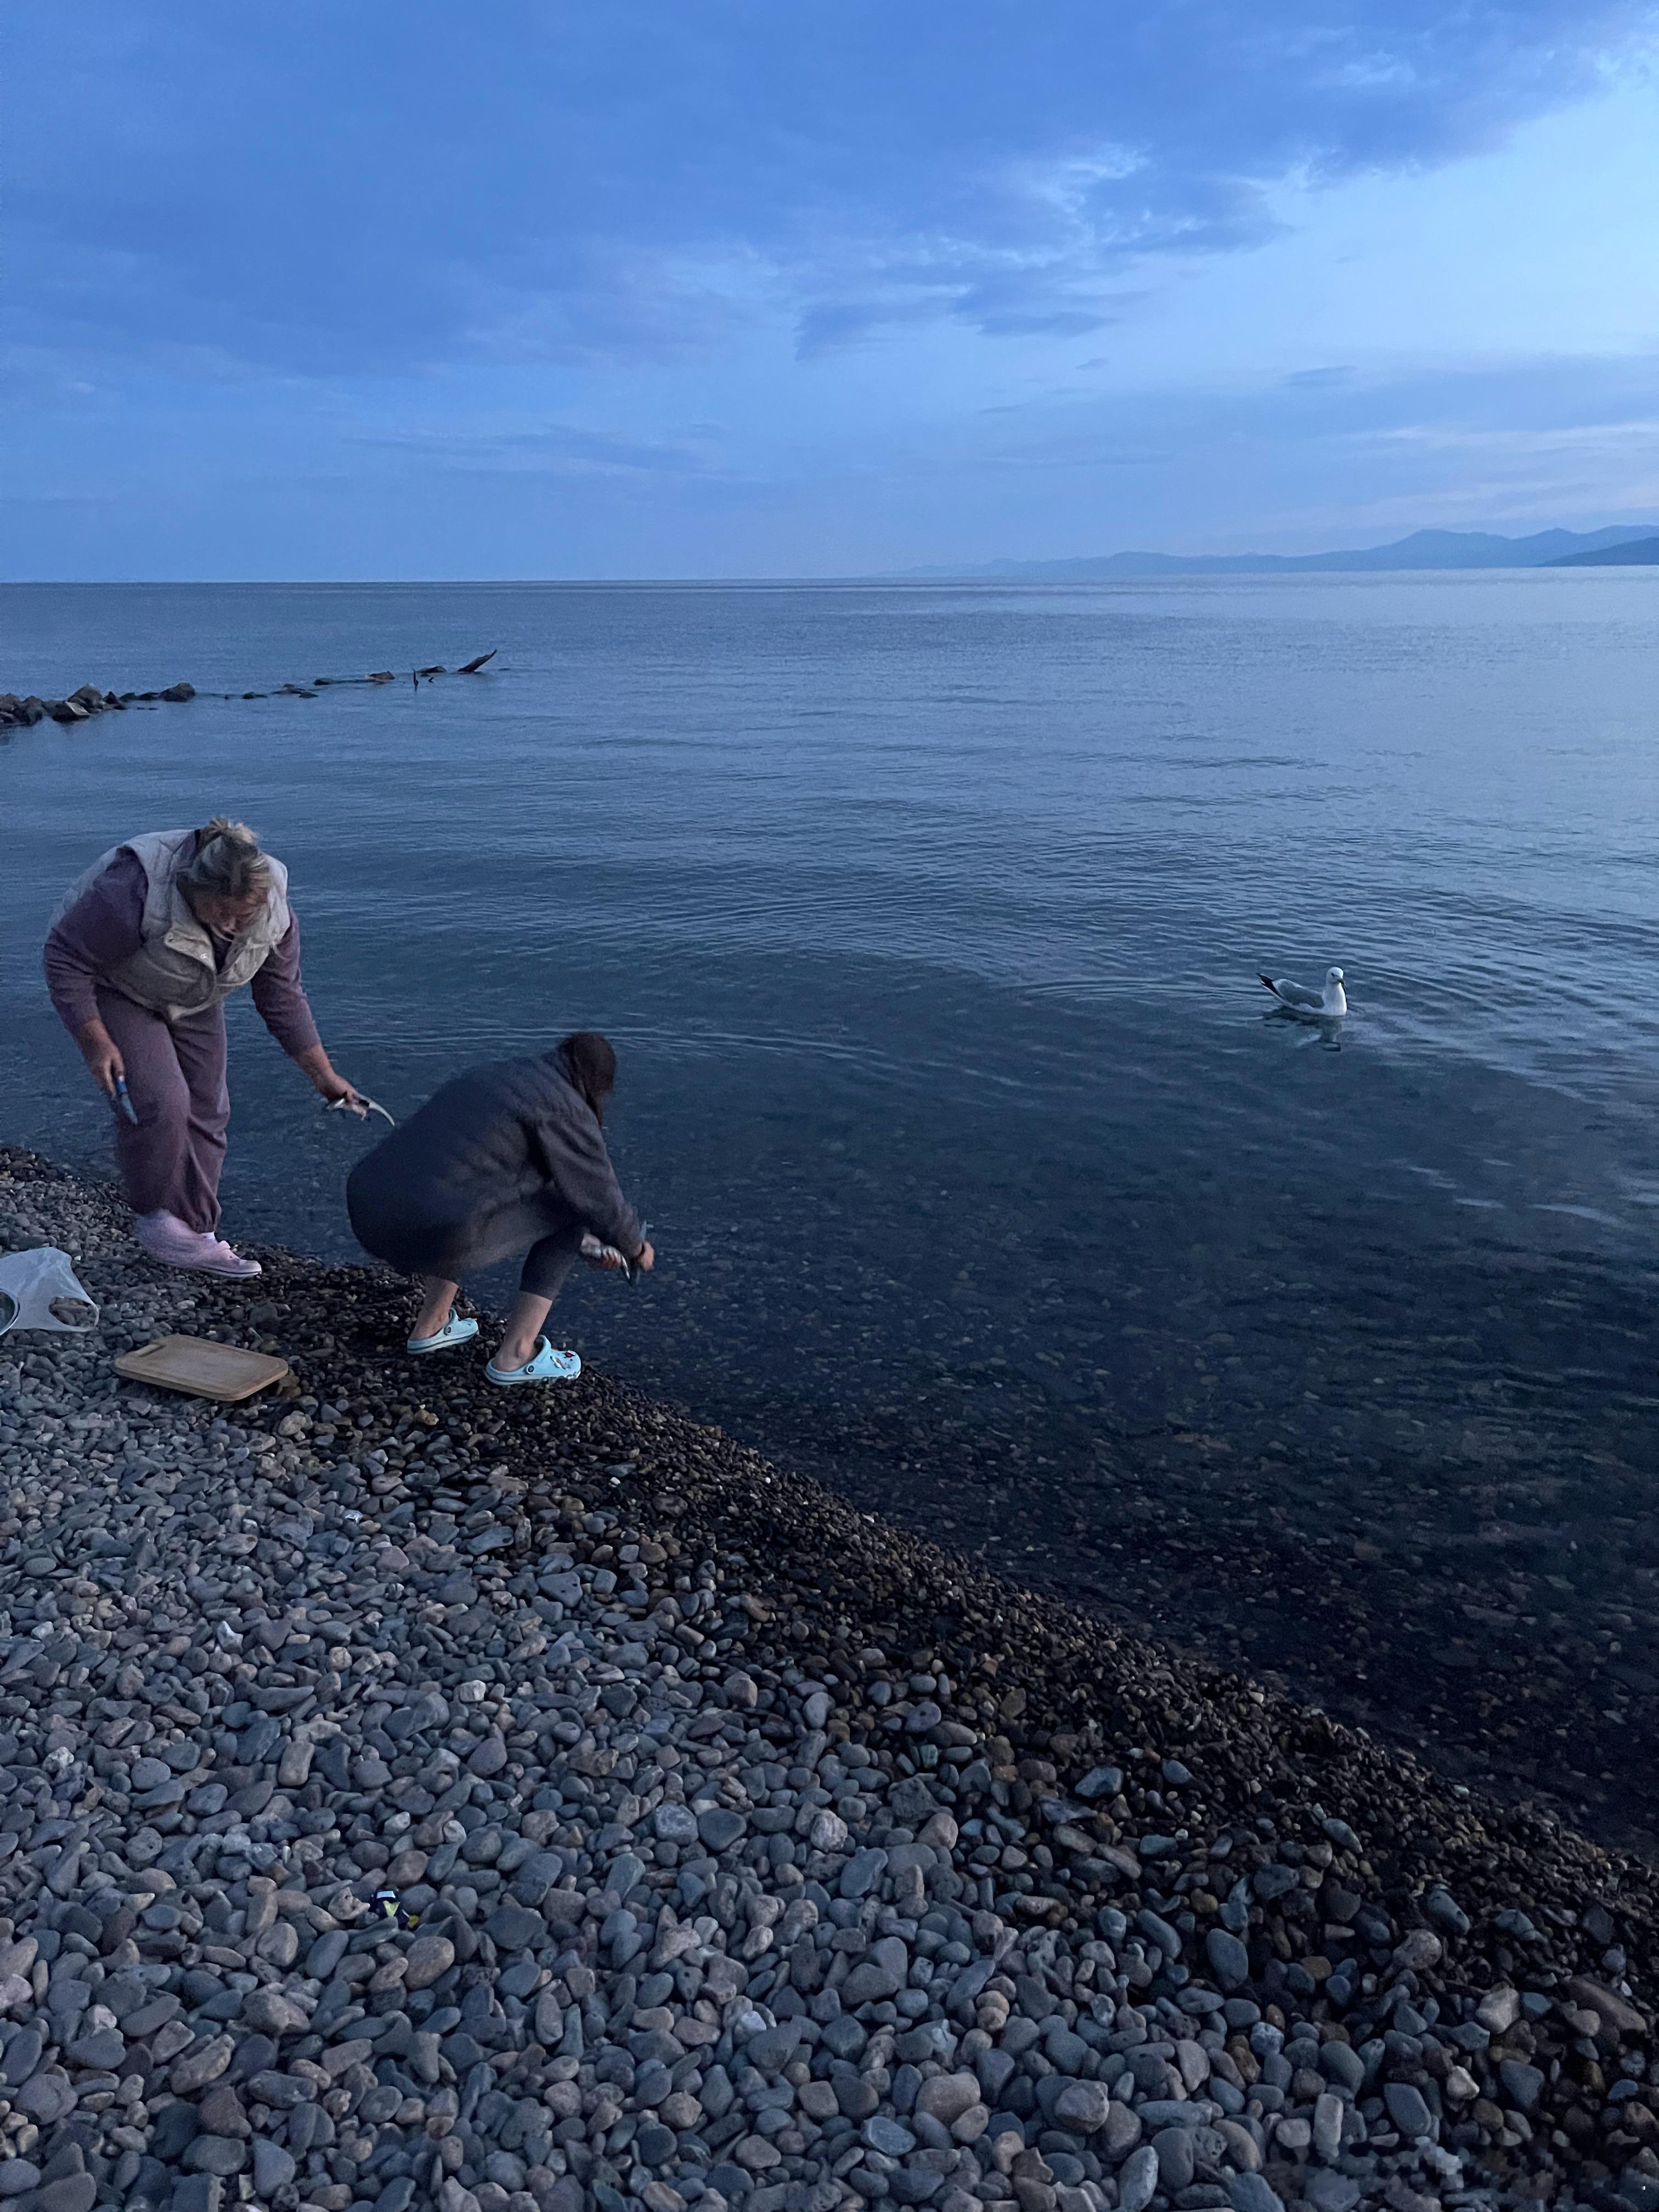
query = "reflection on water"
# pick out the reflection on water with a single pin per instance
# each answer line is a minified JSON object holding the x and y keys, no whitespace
{"x":1323,"y":1030}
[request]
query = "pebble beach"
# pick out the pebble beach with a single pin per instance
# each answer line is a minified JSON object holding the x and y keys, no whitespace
{"x":416,"y":1794}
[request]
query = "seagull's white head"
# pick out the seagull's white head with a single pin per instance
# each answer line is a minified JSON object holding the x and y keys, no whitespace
{"x":1335,"y":976}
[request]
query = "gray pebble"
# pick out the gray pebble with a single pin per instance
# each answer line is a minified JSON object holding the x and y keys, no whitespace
{"x":1122,"y":2130}
{"x":1083,"y":2106}
{"x":887,"y":2137}
{"x":869,"y":1983}
{"x":1230,"y":1961}
{"x":861,"y":1873}
{"x":655,"y":2144}
{"x":70,"y":2192}
{"x":1252,"y":2192}
{"x":1176,"y":2155}
{"x":273,"y":2167}
{"x":199,"y":2067}
{"x":1522,"y":2084}
{"x":1406,"y":2109}
{"x":45,"y":2097}
{"x":1100,"y":1781}
{"x":1343,"y":2065}
{"x":220,"y":2155}
{"x":515,"y":1927}
{"x":1138,"y":2183}
{"x":23,"y":2055}
{"x":488,"y":1759}
{"x":946,"y":2097}
{"x":720,"y":1829}
{"x":1328,"y":2114}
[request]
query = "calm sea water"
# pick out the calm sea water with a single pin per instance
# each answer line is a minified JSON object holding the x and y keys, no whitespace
{"x":926,"y":921}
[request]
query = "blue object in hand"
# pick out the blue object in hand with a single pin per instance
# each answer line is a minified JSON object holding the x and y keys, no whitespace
{"x":122,"y":1102}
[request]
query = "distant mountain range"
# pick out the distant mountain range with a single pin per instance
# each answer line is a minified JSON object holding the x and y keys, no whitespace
{"x":1424,"y":549}
{"x":1633,"y":554}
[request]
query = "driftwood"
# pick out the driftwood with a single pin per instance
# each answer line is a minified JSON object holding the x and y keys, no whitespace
{"x":81,"y":706}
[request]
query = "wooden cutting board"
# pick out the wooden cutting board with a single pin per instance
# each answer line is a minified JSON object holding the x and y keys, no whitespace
{"x":203,"y":1368}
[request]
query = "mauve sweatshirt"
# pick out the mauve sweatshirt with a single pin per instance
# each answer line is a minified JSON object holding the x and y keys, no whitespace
{"x":105,"y":926}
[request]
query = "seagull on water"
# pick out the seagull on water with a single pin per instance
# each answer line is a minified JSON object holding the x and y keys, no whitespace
{"x":1330,"y":1003}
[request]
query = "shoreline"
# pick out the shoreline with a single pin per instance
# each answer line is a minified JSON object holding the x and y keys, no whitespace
{"x":1044,"y":1786}
{"x":1485,"y":1596}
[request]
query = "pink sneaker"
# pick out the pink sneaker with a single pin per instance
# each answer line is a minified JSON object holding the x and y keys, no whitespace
{"x":223,"y":1260}
{"x":166,"y":1238}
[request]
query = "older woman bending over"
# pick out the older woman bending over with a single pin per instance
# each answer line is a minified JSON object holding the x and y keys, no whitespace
{"x":145,"y":949}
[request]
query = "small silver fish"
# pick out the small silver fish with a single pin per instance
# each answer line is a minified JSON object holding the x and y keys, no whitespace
{"x":362,"y":1106}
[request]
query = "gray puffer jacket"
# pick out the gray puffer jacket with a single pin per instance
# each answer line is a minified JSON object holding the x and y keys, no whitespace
{"x":512,"y":1141}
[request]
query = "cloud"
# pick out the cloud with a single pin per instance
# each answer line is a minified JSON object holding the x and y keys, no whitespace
{"x":1297,"y":463}
{"x":552,"y":449}
{"x":322,"y":190}
{"x":1640,"y":434}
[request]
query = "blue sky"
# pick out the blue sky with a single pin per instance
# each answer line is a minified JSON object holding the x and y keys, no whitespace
{"x":341,"y":287}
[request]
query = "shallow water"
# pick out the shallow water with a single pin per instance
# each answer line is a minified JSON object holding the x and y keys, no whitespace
{"x":926,"y":920}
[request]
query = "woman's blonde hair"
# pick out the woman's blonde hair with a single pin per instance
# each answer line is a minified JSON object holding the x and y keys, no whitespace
{"x":227,"y":862}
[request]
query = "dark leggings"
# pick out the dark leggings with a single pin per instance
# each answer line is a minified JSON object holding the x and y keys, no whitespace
{"x":547,"y":1263}
{"x":553,"y":1234}
{"x":407,"y":1238}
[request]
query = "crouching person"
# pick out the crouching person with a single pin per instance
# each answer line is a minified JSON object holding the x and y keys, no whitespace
{"x":506,"y":1159}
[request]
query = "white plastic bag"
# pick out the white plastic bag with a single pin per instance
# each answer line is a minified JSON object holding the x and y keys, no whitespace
{"x":29,"y":1281}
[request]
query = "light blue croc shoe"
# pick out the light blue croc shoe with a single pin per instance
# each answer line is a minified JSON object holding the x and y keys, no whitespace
{"x":454,"y":1331}
{"x":546,"y":1366}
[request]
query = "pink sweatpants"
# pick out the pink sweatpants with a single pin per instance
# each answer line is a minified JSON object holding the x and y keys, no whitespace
{"x":172,"y":1161}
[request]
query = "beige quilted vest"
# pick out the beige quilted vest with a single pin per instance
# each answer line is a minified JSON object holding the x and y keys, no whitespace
{"x":173,"y":972}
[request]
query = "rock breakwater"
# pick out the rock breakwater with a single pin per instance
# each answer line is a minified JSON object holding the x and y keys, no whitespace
{"x":80,"y":706}
{"x":756,"y":1854}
